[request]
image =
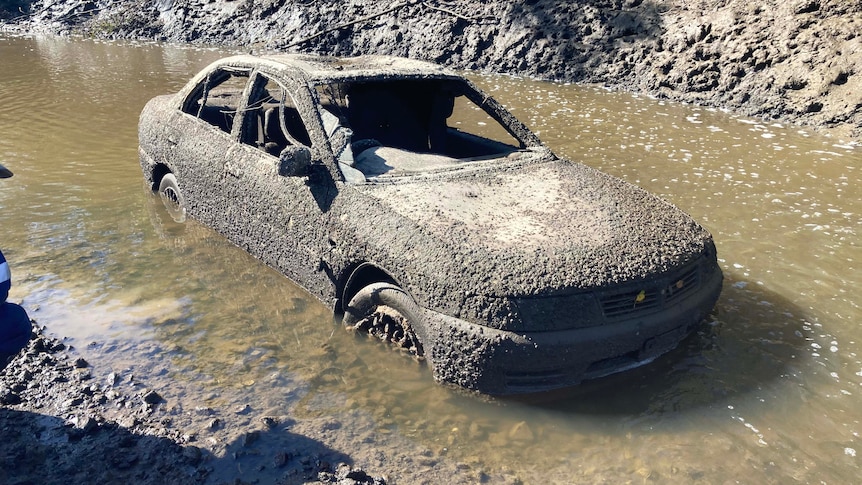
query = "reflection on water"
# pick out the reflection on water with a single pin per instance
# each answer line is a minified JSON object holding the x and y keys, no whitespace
{"x":767,"y":391}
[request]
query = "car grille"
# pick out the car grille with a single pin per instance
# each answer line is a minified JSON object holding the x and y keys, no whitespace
{"x":685,"y":284}
{"x":637,"y":301}
{"x":652,"y":297}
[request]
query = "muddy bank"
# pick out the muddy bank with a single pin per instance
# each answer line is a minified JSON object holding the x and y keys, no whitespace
{"x":68,"y":417}
{"x":798,"y":60}
{"x":63,"y":423}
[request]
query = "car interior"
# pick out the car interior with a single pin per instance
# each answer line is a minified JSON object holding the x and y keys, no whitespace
{"x":393,"y":126}
{"x":406,"y":125}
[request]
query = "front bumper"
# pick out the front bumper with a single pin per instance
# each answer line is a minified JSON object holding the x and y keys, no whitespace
{"x":501,"y":362}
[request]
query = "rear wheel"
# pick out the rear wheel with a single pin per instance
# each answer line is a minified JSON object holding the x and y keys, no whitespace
{"x":385,"y":311}
{"x":173,"y":199}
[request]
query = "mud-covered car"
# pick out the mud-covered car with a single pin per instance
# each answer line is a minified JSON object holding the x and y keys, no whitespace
{"x":409,"y":201}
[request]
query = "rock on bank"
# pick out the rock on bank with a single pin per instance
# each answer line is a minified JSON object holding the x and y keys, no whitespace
{"x":794,"y":60}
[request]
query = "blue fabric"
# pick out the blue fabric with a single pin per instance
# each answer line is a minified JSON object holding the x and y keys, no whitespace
{"x":5,"y":278}
{"x":15,"y":331}
{"x":15,"y":328}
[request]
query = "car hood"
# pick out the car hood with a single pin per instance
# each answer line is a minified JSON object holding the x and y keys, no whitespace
{"x":546,"y":228}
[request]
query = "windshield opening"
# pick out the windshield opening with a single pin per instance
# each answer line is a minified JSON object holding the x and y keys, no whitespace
{"x":398,"y":126}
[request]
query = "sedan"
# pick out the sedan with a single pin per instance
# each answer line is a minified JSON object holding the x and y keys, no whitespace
{"x":423,"y":212}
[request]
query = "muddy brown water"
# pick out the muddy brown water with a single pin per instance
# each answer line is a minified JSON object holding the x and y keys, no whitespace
{"x":770,"y":391}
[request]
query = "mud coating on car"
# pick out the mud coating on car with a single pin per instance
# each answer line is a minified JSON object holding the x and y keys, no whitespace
{"x":535,"y":231}
{"x":531,"y":272}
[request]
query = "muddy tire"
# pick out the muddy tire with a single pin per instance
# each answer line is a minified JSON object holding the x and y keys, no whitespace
{"x":385,"y":311}
{"x":172,"y":197}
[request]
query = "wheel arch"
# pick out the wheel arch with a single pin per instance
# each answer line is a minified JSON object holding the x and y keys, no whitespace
{"x":159,"y":171}
{"x":361,"y":276}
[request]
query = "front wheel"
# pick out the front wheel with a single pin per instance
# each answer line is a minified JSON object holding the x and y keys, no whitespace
{"x":173,"y":199}
{"x":387,"y":312}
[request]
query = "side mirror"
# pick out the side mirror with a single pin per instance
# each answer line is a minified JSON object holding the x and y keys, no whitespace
{"x":294,"y":161}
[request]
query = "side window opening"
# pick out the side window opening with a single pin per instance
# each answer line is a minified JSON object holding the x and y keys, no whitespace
{"x":217,"y":99}
{"x":272,"y":120}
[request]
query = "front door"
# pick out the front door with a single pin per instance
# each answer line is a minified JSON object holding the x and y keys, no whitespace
{"x":279,"y":214}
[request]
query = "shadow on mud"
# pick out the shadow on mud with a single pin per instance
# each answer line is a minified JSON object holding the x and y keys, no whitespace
{"x":753,"y":339}
{"x":40,"y":448}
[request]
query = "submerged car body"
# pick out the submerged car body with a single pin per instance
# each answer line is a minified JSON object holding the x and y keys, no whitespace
{"x":387,"y":186}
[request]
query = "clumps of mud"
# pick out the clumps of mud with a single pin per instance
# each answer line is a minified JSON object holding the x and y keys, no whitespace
{"x":797,"y":61}
{"x":389,"y":326}
{"x":60,"y":424}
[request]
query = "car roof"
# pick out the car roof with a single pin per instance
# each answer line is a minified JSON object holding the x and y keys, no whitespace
{"x":322,"y":69}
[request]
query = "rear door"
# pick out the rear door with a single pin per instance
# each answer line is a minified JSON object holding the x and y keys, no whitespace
{"x":205,"y":130}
